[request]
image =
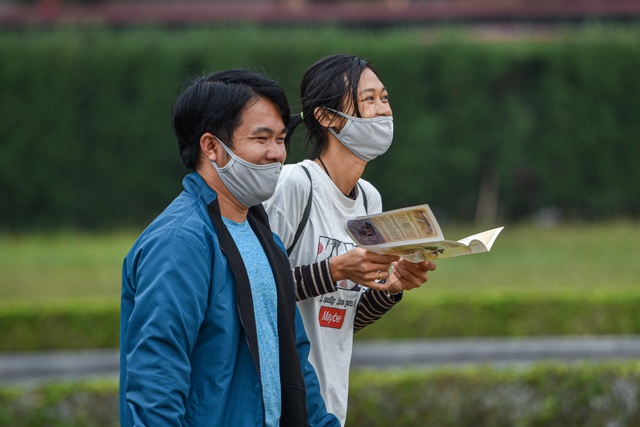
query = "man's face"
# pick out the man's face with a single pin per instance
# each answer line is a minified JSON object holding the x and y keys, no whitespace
{"x":259,"y":138}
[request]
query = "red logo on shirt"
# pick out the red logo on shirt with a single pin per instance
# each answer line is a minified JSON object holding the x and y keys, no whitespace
{"x":330,"y":317}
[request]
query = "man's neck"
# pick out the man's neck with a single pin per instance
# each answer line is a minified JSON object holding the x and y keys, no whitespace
{"x":230,"y":208}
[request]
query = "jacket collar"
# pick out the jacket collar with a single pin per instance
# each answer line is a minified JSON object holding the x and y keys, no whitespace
{"x":195,"y":185}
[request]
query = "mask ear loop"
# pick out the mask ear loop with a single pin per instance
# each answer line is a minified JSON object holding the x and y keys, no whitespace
{"x":344,"y":119}
{"x":227,"y":150}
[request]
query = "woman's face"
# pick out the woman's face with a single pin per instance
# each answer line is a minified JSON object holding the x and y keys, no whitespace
{"x":373,"y":98}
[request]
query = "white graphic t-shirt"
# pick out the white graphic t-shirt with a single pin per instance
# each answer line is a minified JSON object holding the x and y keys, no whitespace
{"x":328,"y":318}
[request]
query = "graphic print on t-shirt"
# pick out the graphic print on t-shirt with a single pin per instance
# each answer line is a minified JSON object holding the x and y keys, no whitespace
{"x":329,"y":247}
{"x":333,"y":307}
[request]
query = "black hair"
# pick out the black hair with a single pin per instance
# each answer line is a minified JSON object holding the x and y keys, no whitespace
{"x":332,"y":82}
{"x":214,"y":104}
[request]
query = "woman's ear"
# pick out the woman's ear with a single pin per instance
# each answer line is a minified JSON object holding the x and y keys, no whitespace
{"x":324,"y":117}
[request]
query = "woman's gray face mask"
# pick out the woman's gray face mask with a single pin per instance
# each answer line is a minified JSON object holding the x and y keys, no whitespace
{"x":366,"y":138}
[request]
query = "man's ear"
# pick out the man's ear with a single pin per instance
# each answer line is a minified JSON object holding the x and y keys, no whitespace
{"x":209,"y":146}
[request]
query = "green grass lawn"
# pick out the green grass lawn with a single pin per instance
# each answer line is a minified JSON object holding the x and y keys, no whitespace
{"x":571,"y":259}
{"x":38,"y":268}
{"x":526,"y":260}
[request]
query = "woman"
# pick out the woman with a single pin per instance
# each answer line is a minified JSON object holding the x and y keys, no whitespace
{"x":340,"y":288}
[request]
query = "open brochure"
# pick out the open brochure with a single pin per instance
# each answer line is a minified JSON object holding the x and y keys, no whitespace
{"x":414,"y":234}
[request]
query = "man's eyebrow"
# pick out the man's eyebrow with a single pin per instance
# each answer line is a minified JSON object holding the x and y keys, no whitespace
{"x":269,"y":130}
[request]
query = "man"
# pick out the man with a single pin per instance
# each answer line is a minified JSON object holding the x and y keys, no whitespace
{"x":210,"y":334}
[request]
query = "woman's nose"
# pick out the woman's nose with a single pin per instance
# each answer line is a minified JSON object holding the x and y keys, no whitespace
{"x":383,"y":109}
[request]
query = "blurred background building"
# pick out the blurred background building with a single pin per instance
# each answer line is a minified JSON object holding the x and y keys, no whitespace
{"x":357,"y":12}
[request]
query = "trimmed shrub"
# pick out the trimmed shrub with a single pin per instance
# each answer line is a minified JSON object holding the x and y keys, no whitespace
{"x":508,"y":127}
{"x":72,"y":404}
{"x":59,"y":327}
{"x":545,"y":395}
{"x":509,"y":316}
{"x":81,"y":326}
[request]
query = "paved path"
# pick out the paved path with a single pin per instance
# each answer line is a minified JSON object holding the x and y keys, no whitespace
{"x":494,"y":351}
{"x":32,"y":368}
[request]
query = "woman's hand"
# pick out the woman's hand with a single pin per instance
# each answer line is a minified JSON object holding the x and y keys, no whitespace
{"x":372,"y":270}
{"x":407,"y":275}
{"x":363,"y":267}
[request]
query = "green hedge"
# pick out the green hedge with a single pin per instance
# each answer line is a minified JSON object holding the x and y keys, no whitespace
{"x":71,"y":404}
{"x":509,"y":316}
{"x":78,"y":326}
{"x":87,"y":142}
{"x":59,"y":327}
{"x":546,"y":395}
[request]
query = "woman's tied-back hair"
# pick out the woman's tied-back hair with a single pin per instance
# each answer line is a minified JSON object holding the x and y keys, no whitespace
{"x":332,"y":82}
{"x":214,"y":103}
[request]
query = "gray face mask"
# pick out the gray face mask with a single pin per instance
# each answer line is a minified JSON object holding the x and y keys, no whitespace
{"x":366,"y":138}
{"x":249,"y":183}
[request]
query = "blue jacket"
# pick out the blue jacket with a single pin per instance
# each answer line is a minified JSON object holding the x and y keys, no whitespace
{"x":188,"y":343}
